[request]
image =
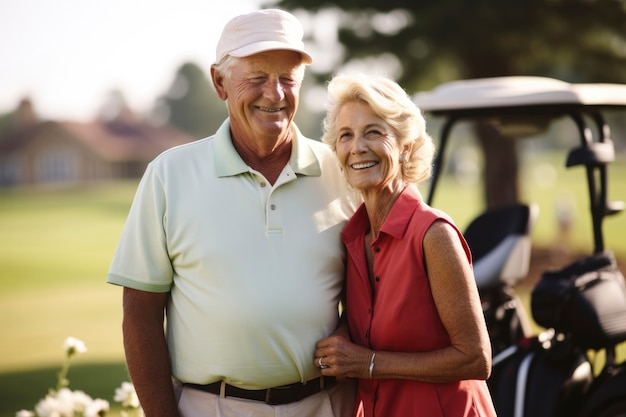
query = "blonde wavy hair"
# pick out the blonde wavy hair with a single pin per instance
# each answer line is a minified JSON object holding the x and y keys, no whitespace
{"x":392,"y":104}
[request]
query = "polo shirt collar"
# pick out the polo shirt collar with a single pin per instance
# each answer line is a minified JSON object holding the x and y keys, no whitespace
{"x":401,"y":213}
{"x":303,"y":160}
{"x":396,"y":222}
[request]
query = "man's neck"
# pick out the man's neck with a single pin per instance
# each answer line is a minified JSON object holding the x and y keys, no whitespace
{"x":269,"y":162}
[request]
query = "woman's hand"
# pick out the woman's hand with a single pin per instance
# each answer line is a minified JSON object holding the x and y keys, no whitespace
{"x":337,"y":356}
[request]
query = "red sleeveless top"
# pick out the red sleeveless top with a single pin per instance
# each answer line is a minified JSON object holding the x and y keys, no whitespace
{"x":402,"y":317}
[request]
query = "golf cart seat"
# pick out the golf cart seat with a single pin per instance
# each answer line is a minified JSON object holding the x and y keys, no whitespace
{"x":500,"y":243}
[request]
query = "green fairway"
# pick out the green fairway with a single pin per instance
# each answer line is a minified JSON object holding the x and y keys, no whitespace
{"x":54,"y":256}
{"x":546,"y":182}
{"x":57,"y":244}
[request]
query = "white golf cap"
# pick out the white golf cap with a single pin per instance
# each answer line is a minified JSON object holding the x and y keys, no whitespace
{"x":259,"y":31}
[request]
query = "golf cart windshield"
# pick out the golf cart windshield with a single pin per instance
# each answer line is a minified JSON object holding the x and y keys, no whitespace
{"x":515,"y":103}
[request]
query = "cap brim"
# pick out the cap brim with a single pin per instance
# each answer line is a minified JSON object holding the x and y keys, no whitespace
{"x":258,"y":47}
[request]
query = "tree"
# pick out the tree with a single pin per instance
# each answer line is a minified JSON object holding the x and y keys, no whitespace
{"x":434,"y":41}
{"x":115,"y":106}
{"x":191,"y":103}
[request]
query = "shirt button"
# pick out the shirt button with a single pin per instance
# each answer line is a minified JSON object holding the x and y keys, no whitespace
{"x":377,"y":278}
{"x":263,"y":184}
{"x":376,"y":248}
{"x":272,"y":206}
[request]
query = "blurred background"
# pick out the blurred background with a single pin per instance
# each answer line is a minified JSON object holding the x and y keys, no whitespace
{"x":91,"y":91}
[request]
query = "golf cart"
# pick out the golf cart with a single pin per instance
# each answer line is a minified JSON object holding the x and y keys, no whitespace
{"x":582,"y":306}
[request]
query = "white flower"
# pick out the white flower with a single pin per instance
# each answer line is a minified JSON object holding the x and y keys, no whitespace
{"x":48,"y":407}
{"x":66,"y":402}
{"x":126,"y":395}
{"x":63,"y":402}
{"x":80,"y":401}
{"x":73,"y":345}
{"x":97,"y":408}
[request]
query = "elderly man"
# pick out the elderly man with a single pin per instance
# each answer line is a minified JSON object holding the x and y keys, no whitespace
{"x":234,"y":239}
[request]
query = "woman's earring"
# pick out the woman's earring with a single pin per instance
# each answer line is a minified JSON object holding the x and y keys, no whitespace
{"x":402,"y":159}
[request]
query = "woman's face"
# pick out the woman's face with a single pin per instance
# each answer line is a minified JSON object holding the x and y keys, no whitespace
{"x":367,"y":148}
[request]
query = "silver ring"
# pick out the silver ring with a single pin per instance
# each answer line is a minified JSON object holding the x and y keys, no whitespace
{"x":322,"y":364}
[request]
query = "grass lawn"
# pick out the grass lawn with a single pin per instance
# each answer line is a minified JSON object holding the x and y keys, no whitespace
{"x":57,"y":244}
{"x":54,"y":256}
{"x":546,"y":182}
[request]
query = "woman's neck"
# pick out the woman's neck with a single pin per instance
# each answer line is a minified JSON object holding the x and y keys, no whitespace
{"x":378,"y":204}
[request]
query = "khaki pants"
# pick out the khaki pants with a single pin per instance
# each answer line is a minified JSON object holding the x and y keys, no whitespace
{"x":336,"y":401}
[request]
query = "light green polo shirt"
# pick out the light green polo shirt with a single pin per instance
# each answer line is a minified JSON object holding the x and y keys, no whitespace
{"x":255,"y":271}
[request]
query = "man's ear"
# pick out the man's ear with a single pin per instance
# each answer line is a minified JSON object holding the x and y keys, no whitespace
{"x":218,"y":83}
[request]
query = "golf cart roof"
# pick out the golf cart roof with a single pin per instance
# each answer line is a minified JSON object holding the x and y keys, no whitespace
{"x":519,"y":106}
{"x":514,"y":93}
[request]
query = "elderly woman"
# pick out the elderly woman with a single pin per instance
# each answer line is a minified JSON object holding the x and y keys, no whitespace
{"x":417,"y":338}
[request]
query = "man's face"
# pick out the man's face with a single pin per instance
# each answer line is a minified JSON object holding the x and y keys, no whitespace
{"x":263,"y":93}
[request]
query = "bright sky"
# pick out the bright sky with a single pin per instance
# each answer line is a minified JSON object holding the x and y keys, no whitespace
{"x":66,"y":55}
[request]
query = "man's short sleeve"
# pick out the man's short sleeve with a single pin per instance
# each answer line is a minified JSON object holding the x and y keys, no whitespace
{"x":141,"y":260}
